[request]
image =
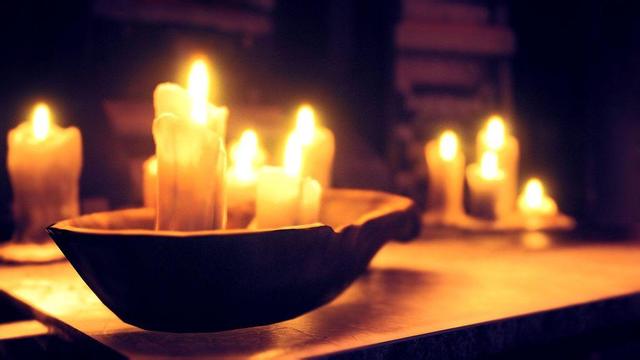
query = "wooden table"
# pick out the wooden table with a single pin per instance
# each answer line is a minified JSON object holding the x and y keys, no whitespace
{"x":438,"y":297}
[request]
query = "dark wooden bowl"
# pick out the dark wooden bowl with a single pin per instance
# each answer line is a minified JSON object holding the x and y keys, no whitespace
{"x":224,"y":279}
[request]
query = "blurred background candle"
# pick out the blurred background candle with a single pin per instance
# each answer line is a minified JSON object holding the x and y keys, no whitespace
{"x":495,"y":137}
{"x":150,"y":181}
{"x":284,"y":197}
{"x":318,"y":146}
{"x":246,"y":160}
{"x":44,"y":162}
{"x":445,"y":166}
{"x":191,"y":156}
{"x":486,"y":187}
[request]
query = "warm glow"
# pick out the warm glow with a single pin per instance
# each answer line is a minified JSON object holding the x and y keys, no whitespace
{"x":495,"y":133}
{"x":41,"y":121}
{"x":489,"y":169}
{"x":293,"y":155}
{"x":244,"y":155}
{"x":199,"y":90}
{"x":448,"y":145}
{"x":306,"y":123}
{"x":152,"y":165}
{"x":534,"y":199}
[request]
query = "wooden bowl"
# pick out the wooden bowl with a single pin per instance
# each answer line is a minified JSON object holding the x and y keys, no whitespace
{"x":223,"y":279}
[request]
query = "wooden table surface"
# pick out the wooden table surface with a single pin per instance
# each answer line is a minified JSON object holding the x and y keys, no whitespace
{"x":443,"y":297}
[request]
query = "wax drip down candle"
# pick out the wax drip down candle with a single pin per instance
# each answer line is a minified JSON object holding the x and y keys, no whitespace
{"x":496,"y":138}
{"x":318,"y":146}
{"x":44,"y":162}
{"x":189,"y":132}
{"x":445,"y":167}
{"x":283,"y":196}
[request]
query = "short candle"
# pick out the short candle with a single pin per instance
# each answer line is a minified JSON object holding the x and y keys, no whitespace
{"x":486,"y":187}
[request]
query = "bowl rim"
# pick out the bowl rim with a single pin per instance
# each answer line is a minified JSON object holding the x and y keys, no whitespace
{"x":395,"y":203}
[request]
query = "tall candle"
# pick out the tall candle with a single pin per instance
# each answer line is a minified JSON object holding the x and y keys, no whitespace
{"x":486,"y":187}
{"x":246,"y":160}
{"x":188,"y":132}
{"x":44,"y":162}
{"x":284,"y":197}
{"x":445,"y":166}
{"x":318,"y":146}
{"x":495,"y":137}
{"x":150,"y":181}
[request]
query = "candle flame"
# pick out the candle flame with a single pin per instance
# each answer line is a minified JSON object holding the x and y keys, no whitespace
{"x":41,"y":121}
{"x":489,"y":169}
{"x":151,"y":164}
{"x":293,"y":155}
{"x":198,"y":89}
{"x":306,"y":123}
{"x":495,"y":133}
{"x":448,"y":145}
{"x":244,"y":154}
{"x":534,"y":199}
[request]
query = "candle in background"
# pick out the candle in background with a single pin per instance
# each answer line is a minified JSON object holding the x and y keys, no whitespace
{"x":318,"y":146}
{"x":150,"y":181}
{"x":535,"y":205}
{"x":246,"y":160}
{"x":191,"y":156}
{"x":44,"y":163}
{"x":445,"y":166}
{"x":486,"y":187}
{"x":495,"y":137}
{"x":283,"y":196}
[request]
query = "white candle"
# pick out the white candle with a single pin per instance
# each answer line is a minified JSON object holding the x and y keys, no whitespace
{"x":246,"y":160}
{"x":445,"y":166}
{"x":495,"y":137}
{"x":44,"y":163}
{"x":318,"y":146}
{"x":191,"y":156}
{"x":486,"y":187}
{"x":284,"y":198}
{"x":150,"y":181}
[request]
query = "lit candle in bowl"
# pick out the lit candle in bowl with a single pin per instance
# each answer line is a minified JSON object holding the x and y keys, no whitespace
{"x":486,"y":187}
{"x":539,"y":210}
{"x":445,"y":166}
{"x":318,"y":146}
{"x":44,"y":162}
{"x":283,"y":196}
{"x":495,"y":137}
{"x":246,"y":160}
{"x":150,"y":181}
{"x":188,"y":134}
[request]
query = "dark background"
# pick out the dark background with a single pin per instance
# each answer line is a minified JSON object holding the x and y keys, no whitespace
{"x":576,"y":78}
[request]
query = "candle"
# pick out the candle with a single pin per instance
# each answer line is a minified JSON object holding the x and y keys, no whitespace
{"x":445,"y":166}
{"x":188,"y":132}
{"x":246,"y":159}
{"x":150,"y":181}
{"x":283,"y":196}
{"x":486,"y":187}
{"x":535,"y":205}
{"x":44,"y":163}
{"x":494,"y":137}
{"x":318,"y":146}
